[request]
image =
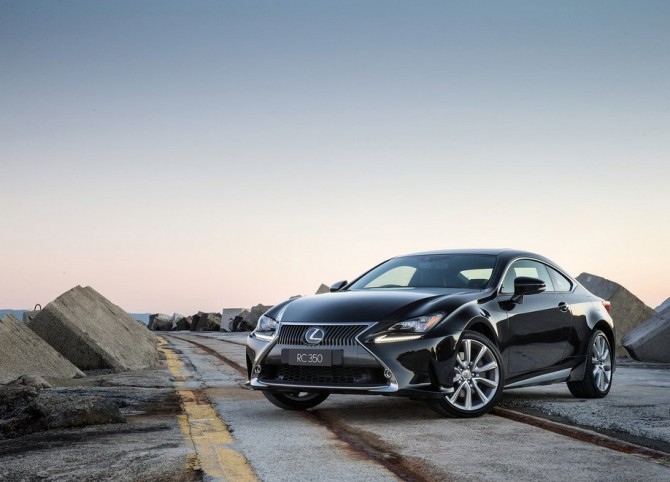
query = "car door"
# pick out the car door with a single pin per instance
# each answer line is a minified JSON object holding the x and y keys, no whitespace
{"x":538,"y":329}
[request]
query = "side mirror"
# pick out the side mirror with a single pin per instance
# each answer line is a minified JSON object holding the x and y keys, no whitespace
{"x":338,"y":286}
{"x":524,"y":285}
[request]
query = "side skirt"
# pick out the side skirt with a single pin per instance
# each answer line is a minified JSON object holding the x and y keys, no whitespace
{"x":547,"y":378}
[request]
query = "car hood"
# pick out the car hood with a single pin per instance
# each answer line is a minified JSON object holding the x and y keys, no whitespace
{"x":370,"y":305}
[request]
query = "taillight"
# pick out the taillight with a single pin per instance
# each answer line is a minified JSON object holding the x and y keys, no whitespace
{"x":608,"y":306}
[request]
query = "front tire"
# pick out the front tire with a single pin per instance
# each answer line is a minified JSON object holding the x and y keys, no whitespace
{"x":598,"y":376}
{"x":295,"y":400}
{"x":478,"y":379}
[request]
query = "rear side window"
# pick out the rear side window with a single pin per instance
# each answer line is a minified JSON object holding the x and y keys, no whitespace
{"x":561,"y":283}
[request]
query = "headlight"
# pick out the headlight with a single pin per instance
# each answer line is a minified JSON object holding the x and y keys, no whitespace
{"x":265,"y":323}
{"x":420,"y":324}
{"x":266,"y":327}
{"x":411,"y":329}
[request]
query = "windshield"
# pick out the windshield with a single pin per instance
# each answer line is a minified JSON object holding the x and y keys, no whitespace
{"x":471,"y":271}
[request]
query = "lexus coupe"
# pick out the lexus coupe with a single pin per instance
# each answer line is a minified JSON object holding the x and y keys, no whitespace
{"x":453,"y":328}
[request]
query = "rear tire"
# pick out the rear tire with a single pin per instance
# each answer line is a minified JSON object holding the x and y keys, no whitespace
{"x":598,"y":375}
{"x":478,"y":379}
{"x":295,"y":400}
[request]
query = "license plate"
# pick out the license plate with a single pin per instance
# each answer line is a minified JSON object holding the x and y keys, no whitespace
{"x":317,"y":358}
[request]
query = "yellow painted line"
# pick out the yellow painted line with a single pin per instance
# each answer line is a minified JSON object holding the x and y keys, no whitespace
{"x":202,"y":425}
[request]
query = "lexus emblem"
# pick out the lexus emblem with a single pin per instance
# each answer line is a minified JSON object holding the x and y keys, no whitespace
{"x":314,"y":336}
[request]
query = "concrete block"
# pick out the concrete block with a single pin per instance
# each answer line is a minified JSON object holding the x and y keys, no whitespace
{"x":663,"y":306}
{"x":650,"y":341}
{"x":322,"y":289}
{"x":238,"y":323}
{"x":160,"y":322}
{"x":247,"y":320}
{"x":628,"y":311}
{"x":29,"y":315}
{"x":228,"y":316}
{"x":93,"y":333}
{"x":184,"y":324}
{"x":23,"y":352}
{"x":206,"y":322}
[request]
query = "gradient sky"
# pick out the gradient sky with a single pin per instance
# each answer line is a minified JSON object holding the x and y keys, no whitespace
{"x":185,"y":156}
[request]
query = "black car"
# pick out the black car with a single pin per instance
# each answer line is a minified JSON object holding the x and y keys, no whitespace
{"x":451,"y":327}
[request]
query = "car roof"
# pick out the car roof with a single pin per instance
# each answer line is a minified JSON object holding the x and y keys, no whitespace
{"x":505,"y":253}
{"x":489,"y":251}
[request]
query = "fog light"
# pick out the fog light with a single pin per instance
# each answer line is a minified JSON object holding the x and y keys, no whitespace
{"x":257,"y":369}
{"x":388,"y":374}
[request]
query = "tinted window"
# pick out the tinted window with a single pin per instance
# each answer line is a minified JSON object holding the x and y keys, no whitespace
{"x":529,"y":268}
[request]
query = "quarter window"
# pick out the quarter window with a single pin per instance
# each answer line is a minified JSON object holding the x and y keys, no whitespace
{"x":561,"y":283}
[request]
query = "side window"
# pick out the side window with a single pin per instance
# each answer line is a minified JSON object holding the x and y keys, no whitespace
{"x":561,"y":283}
{"x":526,"y":267}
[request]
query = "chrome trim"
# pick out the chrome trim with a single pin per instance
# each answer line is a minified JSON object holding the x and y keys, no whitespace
{"x":330,"y":323}
{"x":263,"y":337}
{"x":392,"y":381}
{"x":559,"y":376}
{"x":305,"y":388}
{"x":268,"y":347}
{"x":314,"y":335}
{"x":498,"y":286}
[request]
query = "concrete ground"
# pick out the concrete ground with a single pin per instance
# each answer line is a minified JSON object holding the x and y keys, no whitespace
{"x":150,"y":446}
{"x":637,"y":409}
{"x":195,"y":420}
{"x":487,"y":448}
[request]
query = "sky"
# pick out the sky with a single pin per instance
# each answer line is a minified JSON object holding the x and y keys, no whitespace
{"x":180,"y":156}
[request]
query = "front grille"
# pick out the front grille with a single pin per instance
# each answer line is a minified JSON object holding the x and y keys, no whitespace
{"x":336,"y":335}
{"x":326,"y":375}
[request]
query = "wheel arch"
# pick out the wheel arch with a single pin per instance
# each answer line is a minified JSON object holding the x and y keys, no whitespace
{"x":605,"y":327}
{"x":579,"y":371}
{"x":483,"y":327}
{"x":488,"y":396}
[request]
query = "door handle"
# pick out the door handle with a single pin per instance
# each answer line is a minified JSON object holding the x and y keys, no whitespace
{"x":563,"y":306}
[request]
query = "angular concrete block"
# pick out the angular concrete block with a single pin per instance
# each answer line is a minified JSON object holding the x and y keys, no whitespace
{"x":206,"y":322}
{"x":228,"y":316}
{"x":322,"y":289}
{"x":29,"y":315}
{"x":650,"y":341}
{"x":663,"y":306}
{"x":628,"y":311}
{"x":184,"y":324}
{"x":238,"y":323}
{"x":22,"y":352}
{"x":247,"y":320}
{"x":160,"y":322}
{"x":92,"y":332}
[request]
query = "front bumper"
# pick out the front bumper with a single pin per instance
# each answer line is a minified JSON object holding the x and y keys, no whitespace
{"x":421,"y":368}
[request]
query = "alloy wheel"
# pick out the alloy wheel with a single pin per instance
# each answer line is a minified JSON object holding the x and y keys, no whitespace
{"x":476,"y":376}
{"x":602,"y":363}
